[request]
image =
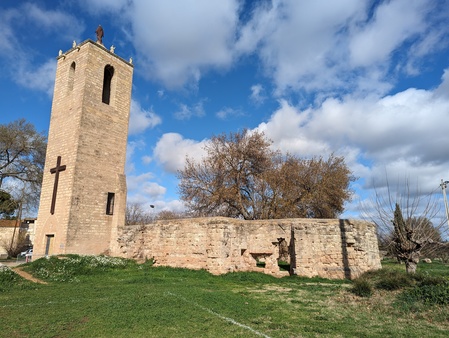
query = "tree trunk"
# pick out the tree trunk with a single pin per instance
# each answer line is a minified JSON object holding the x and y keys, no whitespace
{"x":410,"y":266}
{"x":412,"y":262}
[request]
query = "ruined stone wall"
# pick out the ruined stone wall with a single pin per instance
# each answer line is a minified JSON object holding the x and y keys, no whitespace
{"x":335,"y":248}
{"x":326,"y":248}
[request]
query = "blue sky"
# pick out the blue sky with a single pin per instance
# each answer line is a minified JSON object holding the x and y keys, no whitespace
{"x":367,"y":80}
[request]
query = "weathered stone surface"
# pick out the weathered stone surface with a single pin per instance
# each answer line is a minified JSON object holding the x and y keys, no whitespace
{"x":6,"y":233}
{"x":90,"y":136}
{"x":326,"y":248}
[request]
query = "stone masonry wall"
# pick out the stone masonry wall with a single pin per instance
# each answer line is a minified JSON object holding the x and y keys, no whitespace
{"x":335,"y":248}
{"x":326,"y":248}
{"x":6,"y":234}
{"x":90,"y":136}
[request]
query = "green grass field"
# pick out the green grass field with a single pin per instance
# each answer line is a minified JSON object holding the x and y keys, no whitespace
{"x":103,"y":297}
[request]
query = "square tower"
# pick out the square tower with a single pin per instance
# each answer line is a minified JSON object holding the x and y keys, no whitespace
{"x":83,"y":198}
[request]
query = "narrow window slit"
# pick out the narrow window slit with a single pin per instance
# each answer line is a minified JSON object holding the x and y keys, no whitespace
{"x":110,"y":204}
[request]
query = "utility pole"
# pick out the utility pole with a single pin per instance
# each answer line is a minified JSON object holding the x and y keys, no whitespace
{"x":443,"y":186}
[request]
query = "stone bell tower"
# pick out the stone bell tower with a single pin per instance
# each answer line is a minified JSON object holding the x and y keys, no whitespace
{"x":83,"y":198}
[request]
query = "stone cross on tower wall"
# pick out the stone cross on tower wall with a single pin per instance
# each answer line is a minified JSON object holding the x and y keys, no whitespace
{"x":56,"y":170}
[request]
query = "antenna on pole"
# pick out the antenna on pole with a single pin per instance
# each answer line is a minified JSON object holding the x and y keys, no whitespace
{"x":443,"y":186}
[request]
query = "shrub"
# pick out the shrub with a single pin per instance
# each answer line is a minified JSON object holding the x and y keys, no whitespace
{"x":426,"y":279}
{"x":7,"y":277}
{"x":284,"y":266}
{"x":395,"y":280}
{"x":67,"y":268}
{"x":9,"y":280}
{"x":362,"y":288}
{"x":428,"y":294}
{"x":19,"y":244}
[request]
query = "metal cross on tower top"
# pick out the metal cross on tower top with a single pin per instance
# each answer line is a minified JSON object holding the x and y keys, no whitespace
{"x":56,"y":170}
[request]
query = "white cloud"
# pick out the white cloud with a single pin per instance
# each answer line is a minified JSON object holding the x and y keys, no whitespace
{"x":134,"y":182}
{"x":434,"y":40}
{"x":174,"y":205}
{"x":257,"y":94}
{"x":336,"y":47}
{"x":171,"y":151}
{"x":186,"y":112}
{"x":403,"y":135}
{"x":287,"y":127}
{"x":443,"y":89}
{"x":8,"y":40}
{"x":317,"y":46}
{"x":142,"y":185}
{"x":141,"y":119}
{"x":147,"y":159}
{"x":297,"y":41}
{"x":394,"y":22}
{"x":262,"y":24}
{"x":153,"y":189}
{"x":20,"y":57}
{"x":67,"y":26}
{"x":142,"y":189}
{"x":227,"y":112}
{"x":179,"y":40}
{"x":100,"y":6}
{"x":131,"y":147}
{"x":158,"y":205}
{"x":40,"y":78}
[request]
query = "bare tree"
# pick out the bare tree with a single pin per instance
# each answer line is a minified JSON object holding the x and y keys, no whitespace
{"x":22,"y":152}
{"x":22,"y":158}
{"x":14,"y":245}
{"x":168,"y":215}
{"x":241,"y":176}
{"x":404,"y":223}
{"x":136,"y":214}
{"x":315,"y":188}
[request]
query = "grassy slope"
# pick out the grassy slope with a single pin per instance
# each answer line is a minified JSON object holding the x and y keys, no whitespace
{"x":142,"y":301}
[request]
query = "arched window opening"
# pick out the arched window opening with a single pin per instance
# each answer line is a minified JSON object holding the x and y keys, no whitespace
{"x":108,"y":74}
{"x":71,"y":76}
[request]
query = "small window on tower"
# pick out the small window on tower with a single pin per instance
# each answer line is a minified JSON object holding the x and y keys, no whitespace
{"x":108,"y":74}
{"x":110,"y":204}
{"x":71,"y":76}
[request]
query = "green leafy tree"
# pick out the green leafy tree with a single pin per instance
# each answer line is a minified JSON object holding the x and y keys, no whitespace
{"x":241,"y":176}
{"x":7,"y":205}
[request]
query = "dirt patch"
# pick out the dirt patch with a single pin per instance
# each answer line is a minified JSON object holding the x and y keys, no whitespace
{"x":27,"y":276}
